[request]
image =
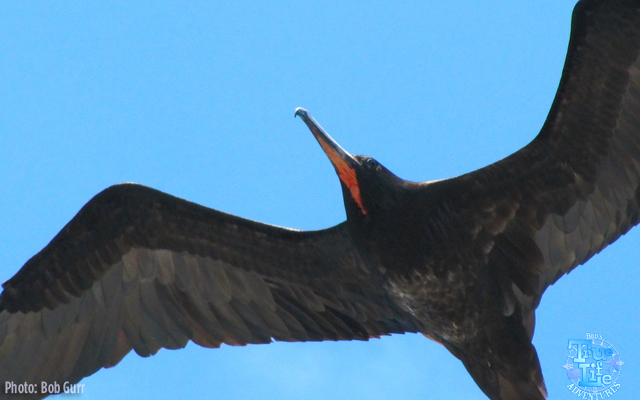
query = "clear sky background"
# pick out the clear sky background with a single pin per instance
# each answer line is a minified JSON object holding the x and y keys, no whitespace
{"x":197,"y":100}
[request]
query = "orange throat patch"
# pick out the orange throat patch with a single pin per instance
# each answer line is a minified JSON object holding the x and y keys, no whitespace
{"x":346,"y":174}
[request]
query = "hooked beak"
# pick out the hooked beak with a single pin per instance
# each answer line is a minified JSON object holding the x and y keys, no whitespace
{"x":344,"y":163}
{"x":336,"y":154}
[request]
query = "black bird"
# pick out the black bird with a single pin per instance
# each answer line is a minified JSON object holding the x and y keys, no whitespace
{"x":463,"y":261}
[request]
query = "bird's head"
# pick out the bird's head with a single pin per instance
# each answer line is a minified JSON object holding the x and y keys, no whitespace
{"x":370,"y":190}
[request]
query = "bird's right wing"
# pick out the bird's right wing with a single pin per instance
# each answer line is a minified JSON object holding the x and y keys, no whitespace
{"x":140,"y":269}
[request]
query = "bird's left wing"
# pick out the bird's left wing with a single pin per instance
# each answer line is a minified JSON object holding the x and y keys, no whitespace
{"x":536,"y":215}
{"x":140,"y":269}
{"x":518,"y":225}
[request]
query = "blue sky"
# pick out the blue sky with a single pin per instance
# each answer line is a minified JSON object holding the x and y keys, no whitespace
{"x":197,"y":100}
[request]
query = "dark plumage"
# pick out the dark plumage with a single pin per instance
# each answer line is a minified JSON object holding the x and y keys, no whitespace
{"x":464,"y":261}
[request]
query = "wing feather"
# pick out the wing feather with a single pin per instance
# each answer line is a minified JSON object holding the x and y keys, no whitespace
{"x":140,"y":270}
{"x":537,"y":214}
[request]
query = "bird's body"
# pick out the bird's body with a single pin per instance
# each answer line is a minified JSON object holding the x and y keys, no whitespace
{"x":464,"y":261}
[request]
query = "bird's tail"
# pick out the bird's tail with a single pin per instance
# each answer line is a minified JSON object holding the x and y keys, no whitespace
{"x":502,"y":382}
{"x":504,"y":363}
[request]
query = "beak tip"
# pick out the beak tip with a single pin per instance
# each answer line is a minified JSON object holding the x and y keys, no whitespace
{"x":300,"y":112}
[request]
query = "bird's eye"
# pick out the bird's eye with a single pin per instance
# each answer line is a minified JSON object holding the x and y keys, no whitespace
{"x":370,"y":164}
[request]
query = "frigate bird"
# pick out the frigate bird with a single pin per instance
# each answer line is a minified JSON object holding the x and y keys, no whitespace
{"x":463,"y":261}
